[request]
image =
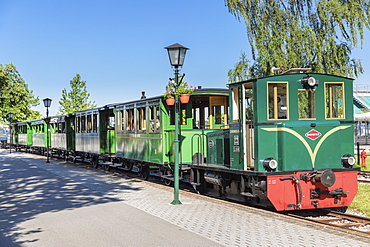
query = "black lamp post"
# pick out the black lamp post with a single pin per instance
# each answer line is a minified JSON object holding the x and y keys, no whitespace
{"x":47,"y":104}
{"x":176,"y":54}
{"x":10,"y":117}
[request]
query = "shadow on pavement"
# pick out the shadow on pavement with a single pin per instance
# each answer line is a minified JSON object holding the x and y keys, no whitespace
{"x":27,"y":189}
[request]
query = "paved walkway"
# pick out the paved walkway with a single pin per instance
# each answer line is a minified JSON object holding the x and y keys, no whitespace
{"x":61,"y":204}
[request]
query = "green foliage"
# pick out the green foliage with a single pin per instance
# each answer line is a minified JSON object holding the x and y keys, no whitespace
{"x":15,"y":95}
{"x":77,"y":98}
{"x":241,"y":71}
{"x":184,"y":88}
{"x":172,"y":89}
{"x":310,"y":34}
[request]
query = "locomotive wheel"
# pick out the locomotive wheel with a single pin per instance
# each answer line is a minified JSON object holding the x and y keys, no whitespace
{"x":145,"y":172}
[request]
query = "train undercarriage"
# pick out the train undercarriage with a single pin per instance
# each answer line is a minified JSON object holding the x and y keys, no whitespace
{"x":295,"y":190}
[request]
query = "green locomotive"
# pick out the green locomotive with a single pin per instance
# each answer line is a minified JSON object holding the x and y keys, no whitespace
{"x":290,"y":143}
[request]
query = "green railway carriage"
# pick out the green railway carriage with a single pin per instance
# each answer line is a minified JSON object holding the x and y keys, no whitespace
{"x":22,"y":134}
{"x":290,"y":143}
{"x":93,"y":134}
{"x":33,"y":135}
{"x":62,"y":140}
{"x":39,"y":135}
{"x":145,"y":131}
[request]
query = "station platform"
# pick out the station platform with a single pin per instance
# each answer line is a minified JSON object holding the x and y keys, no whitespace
{"x":62,"y":204}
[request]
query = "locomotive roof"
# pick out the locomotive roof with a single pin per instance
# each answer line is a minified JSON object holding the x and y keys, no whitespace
{"x":284,"y":74}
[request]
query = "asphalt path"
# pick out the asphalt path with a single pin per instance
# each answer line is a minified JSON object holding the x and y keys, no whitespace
{"x":43,"y":208}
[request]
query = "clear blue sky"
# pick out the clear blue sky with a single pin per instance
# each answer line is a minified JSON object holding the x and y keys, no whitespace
{"x":117,"y":46}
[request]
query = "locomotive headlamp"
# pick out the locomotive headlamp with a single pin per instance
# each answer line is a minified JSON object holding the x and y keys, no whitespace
{"x":270,"y":164}
{"x":309,"y":82}
{"x":348,"y":160}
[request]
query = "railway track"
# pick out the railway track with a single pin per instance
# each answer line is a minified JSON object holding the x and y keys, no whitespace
{"x":364,"y":176}
{"x":357,"y":225}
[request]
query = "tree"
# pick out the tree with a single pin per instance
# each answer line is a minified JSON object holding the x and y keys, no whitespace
{"x":15,"y":95}
{"x":77,"y":98}
{"x":302,"y":33}
{"x":241,"y":70}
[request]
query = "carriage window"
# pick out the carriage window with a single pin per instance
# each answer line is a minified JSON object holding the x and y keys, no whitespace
{"x":155,"y":125}
{"x":218,"y":112}
{"x":201,"y":118}
{"x":95,"y":123}
{"x":53,"y":128}
{"x":151,"y":115}
{"x":83,"y":124}
{"x":182,"y":114}
{"x":141,"y":119}
{"x":278,"y":101}
{"x":334,"y":103}
{"x":89,"y":124}
{"x":130,"y":120}
{"x":61,"y":127}
{"x":306,"y":104}
{"x":200,"y":112}
{"x":78,"y":125}
{"x":157,"y":120}
{"x":236,"y":104}
{"x":248,"y":106}
{"x":111,"y":122}
{"x":121,"y":120}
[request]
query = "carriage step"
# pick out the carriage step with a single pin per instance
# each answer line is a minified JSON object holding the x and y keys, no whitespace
{"x":116,"y":165}
{"x":106,"y":163}
{"x":168,"y":177}
{"x":248,"y":194}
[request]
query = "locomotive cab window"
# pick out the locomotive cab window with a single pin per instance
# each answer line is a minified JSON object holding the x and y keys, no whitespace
{"x":334,"y":102}
{"x":277,"y":100}
{"x":306,"y":104}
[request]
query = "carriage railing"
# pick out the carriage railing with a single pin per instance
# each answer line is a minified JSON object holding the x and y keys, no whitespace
{"x":198,"y":151}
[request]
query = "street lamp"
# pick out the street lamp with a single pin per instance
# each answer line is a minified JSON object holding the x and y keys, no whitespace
{"x":47,"y":104}
{"x":10,"y":117}
{"x":176,"y":54}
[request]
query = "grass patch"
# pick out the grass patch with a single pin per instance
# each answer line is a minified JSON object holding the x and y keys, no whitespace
{"x":361,"y":203}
